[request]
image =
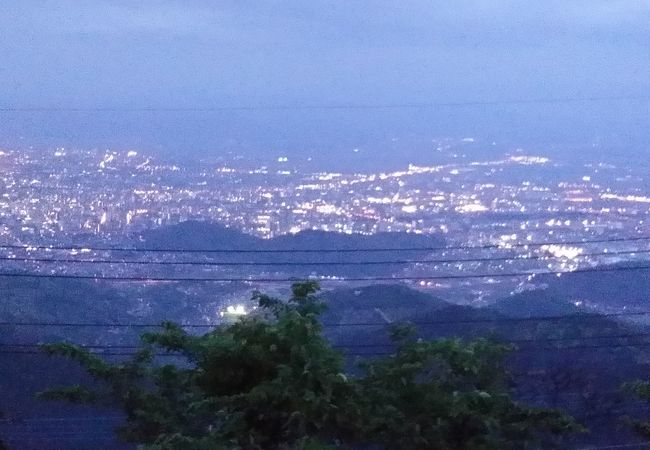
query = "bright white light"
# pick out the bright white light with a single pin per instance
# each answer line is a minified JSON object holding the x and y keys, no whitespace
{"x":471,"y":208}
{"x":561,"y":251}
{"x":236,"y":310}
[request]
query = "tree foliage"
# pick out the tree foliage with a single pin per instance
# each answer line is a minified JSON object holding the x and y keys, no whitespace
{"x":641,"y":389}
{"x":272,"y":381}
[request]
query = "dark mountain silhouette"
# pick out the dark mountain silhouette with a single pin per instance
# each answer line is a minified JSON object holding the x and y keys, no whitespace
{"x":605,"y":289}
{"x":195,"y":235}
{"x":314,"y":239}
{"x":199,"y":235}
{"x":377,"y":306}
{"x":387,"y":302}
{"x":539,"y":302}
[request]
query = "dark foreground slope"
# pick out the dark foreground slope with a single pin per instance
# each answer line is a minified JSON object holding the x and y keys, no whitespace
{"x":567,"y":356}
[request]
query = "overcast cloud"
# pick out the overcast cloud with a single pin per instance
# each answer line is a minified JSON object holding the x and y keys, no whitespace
{"x":95,"y":53}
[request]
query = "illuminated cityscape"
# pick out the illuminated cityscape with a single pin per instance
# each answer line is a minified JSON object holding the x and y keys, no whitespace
{"x":72,"y":197}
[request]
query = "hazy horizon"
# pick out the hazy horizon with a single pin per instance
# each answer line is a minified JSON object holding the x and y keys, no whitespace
{"x":187,"y":55}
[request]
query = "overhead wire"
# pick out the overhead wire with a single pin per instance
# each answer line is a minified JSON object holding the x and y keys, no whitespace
{"x":496,"y":320}
{"x":365,"y":345}
{"x":98,"y":348}
{"x":506,"y":245}
{"x":322,"y":278}
{"x":317,"y":263}
{"x":331,"y":106}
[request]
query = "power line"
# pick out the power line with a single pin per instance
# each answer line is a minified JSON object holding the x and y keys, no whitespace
{"x":85,"y":346}
{"x":496,"y":320}
{"x":586,"y":347}
{"x":362,"y":345}
{"x":321,"y":250}
{"x":551,"y":318}
{"x":525,"y":349}
{"x":554,"y":349}
{"x":125,"y":353}
{"x":17,"y":421}
{"x":321,"y":278}
{"x":505,"y":341}
{"x":315,"y":263}
{"x":341,"y":106}
{"x":100,"y":352}
{"x":91,"y":436}
{"x":637,"y":445}
{"x":103,"y":325}
{"x":27,"y":421}
{"x":537,"y":349}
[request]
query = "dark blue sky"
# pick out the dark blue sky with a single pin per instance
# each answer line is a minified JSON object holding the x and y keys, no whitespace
{"x":178,"y":54}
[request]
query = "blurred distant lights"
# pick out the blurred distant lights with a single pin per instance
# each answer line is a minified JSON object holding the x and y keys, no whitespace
{"x":529,"y":160}
{"x":471,"y":208}
{"x":626,"y":198}
{"x":76,"y":251}
{"x":234,"y":310}
{"x":507,"y":240}
{"x":561,"y":251}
